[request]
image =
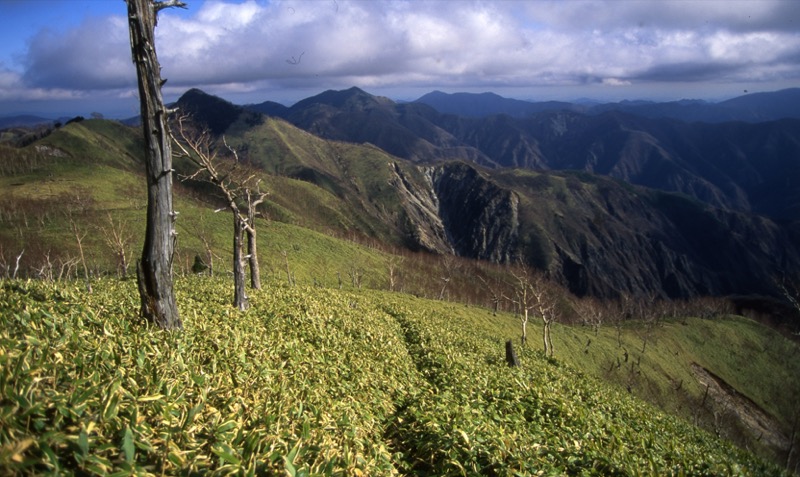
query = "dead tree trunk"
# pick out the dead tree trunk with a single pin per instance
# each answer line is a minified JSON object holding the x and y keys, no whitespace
{"x":252,"y":243}
{"x":196,"y":146}
{"x":522,"y":299}
{"x":494,"y":291}
{"x":239,"y":293}
{"x":524,"y":322}
{"x":117,"y":238}
{"x":154,"y":269}
{"x":546,"y":336}
{"x":252,"y":258}
{"x":79,"y":239}
{"x":546,"y":301}
{"x":289,"y":279}
{"x":511,"y":355}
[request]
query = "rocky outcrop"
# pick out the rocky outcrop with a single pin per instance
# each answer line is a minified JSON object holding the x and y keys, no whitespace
{"x":481,"y":219}
{"x":454,"y":208}
{"x":421,"y":207}
{"x":593,"y":231}
{"x":598,"y":236}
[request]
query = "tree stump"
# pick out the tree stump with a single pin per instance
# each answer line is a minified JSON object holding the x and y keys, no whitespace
{"x":511,"y":355}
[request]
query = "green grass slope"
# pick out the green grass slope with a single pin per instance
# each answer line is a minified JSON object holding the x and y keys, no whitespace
{"x":671,"y":364}
{"x":88,"y":174}
{"x":355,"y":176}
{"x":84,"y":177}
{"x":310,"y":381}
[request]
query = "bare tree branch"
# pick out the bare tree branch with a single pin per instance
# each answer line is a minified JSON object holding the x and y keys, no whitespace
{"x":296,"y":61}
{"x":164,"y":4}
{"x":235,"y":182}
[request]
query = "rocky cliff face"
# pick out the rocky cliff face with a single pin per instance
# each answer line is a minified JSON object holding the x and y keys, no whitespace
{"x":421,"y":211}
{"x":599,"y":236}
{"x":739,"y":166}
{"x":594,"y":231}
{"x":481,"y":219}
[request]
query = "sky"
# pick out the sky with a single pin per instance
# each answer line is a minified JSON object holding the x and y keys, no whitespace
{"x":69,"y":57}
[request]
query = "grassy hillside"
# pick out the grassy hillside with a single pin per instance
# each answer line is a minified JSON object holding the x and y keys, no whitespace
{"x":312,"y":381}
{"x":356,"y":177}
{"x":84,"y":179}
{"x":83,"y":182}
{"x":750,"y":370}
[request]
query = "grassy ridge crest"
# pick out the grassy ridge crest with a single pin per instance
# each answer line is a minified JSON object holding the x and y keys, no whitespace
{"x":311,"y":381}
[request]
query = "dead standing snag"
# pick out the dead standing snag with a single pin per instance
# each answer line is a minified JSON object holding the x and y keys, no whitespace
{"x":235,"y":182}
{"x":154,"y":269}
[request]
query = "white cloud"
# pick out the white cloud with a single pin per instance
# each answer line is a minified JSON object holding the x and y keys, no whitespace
{"x":8,"y":79}
{"x":95,"y":55}
{"x":12,"y":87}
{"x":240,"y":47}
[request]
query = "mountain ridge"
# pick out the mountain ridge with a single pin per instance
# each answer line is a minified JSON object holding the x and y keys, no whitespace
{"x":662,"y":153}
{"x":596,"y":234}
{"x":576,"y":225}
{"x":751,"y":107}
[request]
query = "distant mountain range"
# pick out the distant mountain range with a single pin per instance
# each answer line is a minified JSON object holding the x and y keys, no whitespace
{"x":608,"y":202}
{"x":23,"y":120}
{"x":505,"y":188}
{"x":755,"y":107}
{"x":751,"y":167}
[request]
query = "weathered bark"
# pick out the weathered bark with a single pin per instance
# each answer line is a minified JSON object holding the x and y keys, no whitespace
{"x":154,"y":269}
{"x":511,"y":355}
{"x":252,"y":259}
{"x":240,"y":299}
{"x":252,"y":243}
{"x":548,"y":343}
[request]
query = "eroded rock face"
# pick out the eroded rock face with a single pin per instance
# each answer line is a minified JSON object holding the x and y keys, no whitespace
{"x":724,"y":399}
{"x":457,"y":210}
{"x":598,"y":236}
{"x":421,"y":206}
{"x":481,"y":219}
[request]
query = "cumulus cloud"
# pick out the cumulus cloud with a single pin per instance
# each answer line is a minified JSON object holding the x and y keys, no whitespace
{"x":14,"y":88}
{"x":94,"y":55}
{"x":8,"y":79}
{"x":254,"y":45}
